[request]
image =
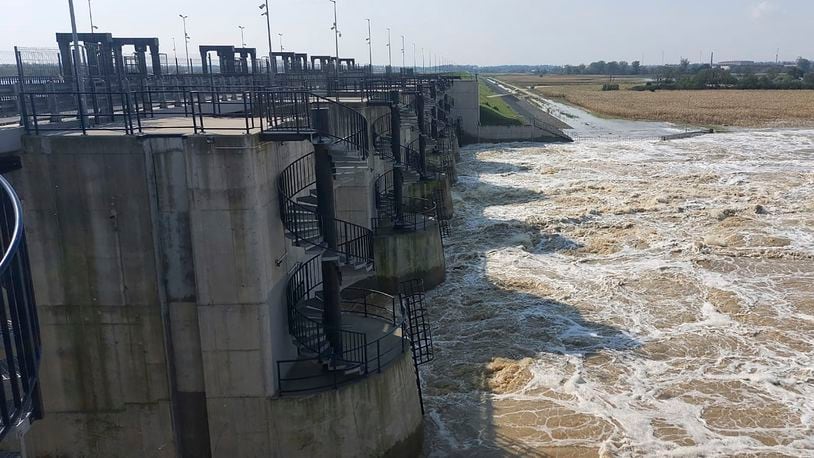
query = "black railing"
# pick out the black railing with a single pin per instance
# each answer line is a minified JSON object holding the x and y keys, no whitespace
{"x":19,"y":326}
{"x":348,"y":130}
{"x":381,"y":129}
{"x":358,"y":355}
{"x":411,"y":158}
{"x":291,"y":111}
{"x":417,"y":213}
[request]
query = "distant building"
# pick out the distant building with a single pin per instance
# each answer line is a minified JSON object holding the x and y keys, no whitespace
{"x":736,"y":63}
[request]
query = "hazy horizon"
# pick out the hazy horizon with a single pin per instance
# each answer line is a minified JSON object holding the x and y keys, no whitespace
{"x":515,"y":32}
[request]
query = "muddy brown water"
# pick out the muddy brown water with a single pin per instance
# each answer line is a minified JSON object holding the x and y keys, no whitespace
{"x":628,"y":298}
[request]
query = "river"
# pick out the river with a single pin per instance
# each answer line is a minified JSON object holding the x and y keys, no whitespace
{"x":624,"y":296}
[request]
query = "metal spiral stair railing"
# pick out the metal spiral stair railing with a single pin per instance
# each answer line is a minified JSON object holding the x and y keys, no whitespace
{"x":359,"y":355}
{"x":296,"y":185}
{"x":19,"y":327}
{"x":417,"y":212}
{"x":356,"y":354}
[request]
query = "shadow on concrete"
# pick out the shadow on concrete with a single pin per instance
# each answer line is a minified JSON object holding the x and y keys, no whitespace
{"x":488,"y":319}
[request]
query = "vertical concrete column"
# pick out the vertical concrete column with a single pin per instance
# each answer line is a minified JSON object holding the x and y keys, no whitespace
{"x":395,"y":145}
{"x":244,"y":62}
{"x":204,"y":62}
{"x":67,"y":60}
{"x":91,"y":50}
{"x":434,"y":126}
{"x":332,"y":314}
{"x":118,"y":60}
{"x":156,"y":60}
{"x":106,"y":56}
{"x":141,"y":59}
{"x":422,"y":139}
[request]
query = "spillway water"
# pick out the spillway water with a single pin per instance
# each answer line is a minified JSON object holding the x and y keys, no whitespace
{"x":628,"y":298}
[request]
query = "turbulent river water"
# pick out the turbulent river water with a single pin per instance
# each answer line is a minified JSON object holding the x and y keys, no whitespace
{"x":628,"y":297}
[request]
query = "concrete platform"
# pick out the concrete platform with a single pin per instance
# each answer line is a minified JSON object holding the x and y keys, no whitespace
{"x":311,"y":376}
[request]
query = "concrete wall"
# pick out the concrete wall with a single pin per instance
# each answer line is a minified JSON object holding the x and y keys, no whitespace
{"x":10,"y":138}
{"x":90,"y":229}
{"x":467,"y":104}
{"x":402,"y":256}
{"x":154,"y":269}
{"x":500,"y":134}
{"x":430,"y":189}
{"x":160,"y":266}
{"x":467,"y":110}
{"x":236,"y":237}
{"x":379,"y":417}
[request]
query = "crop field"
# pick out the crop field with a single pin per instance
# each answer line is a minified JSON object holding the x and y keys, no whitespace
{"x":714,"y":108}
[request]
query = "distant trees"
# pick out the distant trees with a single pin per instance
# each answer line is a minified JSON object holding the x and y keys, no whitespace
{"x":686,"y":75}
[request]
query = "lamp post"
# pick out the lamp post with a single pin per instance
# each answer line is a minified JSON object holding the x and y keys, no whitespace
{"x":370,"y":45}
{"x":337,"y":34}
{"x":80,"y":84}
{"x":242,"y":40}
{"x":389,"y":51}
{"x":281,"y":42}
{"x":414,"y":61}
{"x":186,"y":42}
{"x":423,"y":63}
{"x":402,"y":54}
{"x":265,"y":8}
{"x":175,"y":55}
{"x":90,"y":13}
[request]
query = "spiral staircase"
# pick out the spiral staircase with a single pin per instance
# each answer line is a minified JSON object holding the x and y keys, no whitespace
{"x":329,"y":356}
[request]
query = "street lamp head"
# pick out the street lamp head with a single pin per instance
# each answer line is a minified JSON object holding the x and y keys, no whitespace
{"x":182,"y":16}
{"x":262,"y":7}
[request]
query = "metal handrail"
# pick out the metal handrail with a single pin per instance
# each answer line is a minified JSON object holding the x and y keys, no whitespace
{"x":417,"y":213}
{"x":357,"y":352}
{"x":19,"y":326}
{"x":349,"y":130}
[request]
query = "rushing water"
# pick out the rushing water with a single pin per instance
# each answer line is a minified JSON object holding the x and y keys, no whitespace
{"x":628,"y":298}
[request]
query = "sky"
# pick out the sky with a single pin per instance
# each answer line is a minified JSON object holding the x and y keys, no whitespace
{"x":480,"y":32}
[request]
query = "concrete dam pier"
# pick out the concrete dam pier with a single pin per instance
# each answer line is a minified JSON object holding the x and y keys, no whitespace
{"x":232,"y":263}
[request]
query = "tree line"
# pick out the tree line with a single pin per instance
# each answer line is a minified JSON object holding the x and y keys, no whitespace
{"x":702,"y":76}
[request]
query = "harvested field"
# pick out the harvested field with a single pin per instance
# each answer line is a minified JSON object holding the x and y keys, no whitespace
{"x":714,"y":108}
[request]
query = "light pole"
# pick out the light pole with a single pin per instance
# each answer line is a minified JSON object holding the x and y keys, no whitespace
{"x":186,"y":42}
{"x":337,"y":34}
{"x":423,"y":63}
{"x":265,"y":8}
{"x":175,"y":54}
{"x":281,"y":42}
{"x":389,"y":51}
{"x":80,"y":85}
{"x":242,"y":40}
{"x":414,"y":69}
{"x":90,"y":13}
{"x":402,"y":54}
{"x":370,"y":45}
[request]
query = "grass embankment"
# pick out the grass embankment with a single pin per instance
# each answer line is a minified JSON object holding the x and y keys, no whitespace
{"x":727,"y":107}
{"x":494,"y":111}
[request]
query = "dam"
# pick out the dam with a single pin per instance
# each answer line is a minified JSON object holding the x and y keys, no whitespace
{"x":231,"y":259}
{"x":251,"y":252}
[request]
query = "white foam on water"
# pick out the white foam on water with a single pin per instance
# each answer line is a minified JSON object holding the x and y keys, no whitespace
{"x":662,"y":291}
